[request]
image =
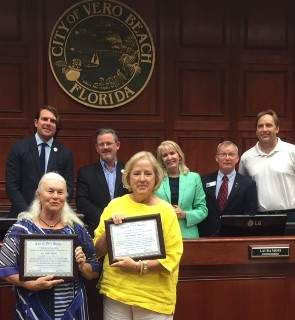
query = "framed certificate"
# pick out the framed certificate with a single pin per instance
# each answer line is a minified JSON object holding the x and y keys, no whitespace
{"x":139,"y":237}
{"x":42,"y":255}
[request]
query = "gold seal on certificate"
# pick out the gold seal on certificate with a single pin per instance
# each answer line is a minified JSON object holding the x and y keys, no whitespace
{"x":42,"y":255}
{"x":139,"y":237}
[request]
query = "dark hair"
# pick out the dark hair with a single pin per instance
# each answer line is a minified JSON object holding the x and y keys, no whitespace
{"x":269,"y":112}
{"x":52,"y":109}
{"x":102,"y":131}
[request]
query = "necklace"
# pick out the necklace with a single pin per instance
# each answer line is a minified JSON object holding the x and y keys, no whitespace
{"x":50,"y":225}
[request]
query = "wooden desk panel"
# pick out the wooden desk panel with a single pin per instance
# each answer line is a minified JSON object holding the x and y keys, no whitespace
{"x":7,"y":301}
{"x":218,"y":281}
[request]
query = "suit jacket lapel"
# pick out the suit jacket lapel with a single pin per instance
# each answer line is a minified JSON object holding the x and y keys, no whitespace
{"x":181,"y":188}
{"x":212,"y":190}
{"x":166,"y":189}
{"x":118,"y":179}
{"x":35,"y":153}
{"x":102,"y":180}
{"x":235,"y":188}
{"x":52,"y":157}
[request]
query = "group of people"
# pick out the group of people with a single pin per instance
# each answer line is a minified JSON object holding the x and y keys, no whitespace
{"x":189,"y":206}
{"x":264,"y":182}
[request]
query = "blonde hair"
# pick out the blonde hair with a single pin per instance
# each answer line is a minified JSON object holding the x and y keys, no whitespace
{"x":169,"y":144}
{"x":142,"y":155}
{"x":68,"y":216}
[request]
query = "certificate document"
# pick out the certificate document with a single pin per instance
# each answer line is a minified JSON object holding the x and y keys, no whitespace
{"x":139,"y":237}
{"x":42,"y":255}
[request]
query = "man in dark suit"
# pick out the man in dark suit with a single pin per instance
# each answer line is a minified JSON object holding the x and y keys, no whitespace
{"x":24,"y":166}
{"x":236,"y":195}
{"x":100,"y":182}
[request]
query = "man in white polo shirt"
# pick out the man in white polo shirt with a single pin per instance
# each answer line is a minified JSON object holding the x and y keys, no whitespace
{"x":271,"y":163}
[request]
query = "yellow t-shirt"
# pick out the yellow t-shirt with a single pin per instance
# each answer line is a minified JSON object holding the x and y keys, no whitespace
{"x":155,"y":290}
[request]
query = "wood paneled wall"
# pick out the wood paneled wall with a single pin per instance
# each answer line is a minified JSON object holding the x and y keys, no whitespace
{"x":219,"y":62}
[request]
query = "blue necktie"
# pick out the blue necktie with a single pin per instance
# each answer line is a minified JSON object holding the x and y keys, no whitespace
{"x":42,"y":157}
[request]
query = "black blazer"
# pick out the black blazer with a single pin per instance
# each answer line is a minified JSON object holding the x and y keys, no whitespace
{"x":23,"y":171}
{"x":93,"y":193}
{"x":242,"y":200}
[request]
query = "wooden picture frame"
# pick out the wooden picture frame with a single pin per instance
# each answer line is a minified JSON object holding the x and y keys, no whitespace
{"x":43,"y":254}
{"x":139,"y":237}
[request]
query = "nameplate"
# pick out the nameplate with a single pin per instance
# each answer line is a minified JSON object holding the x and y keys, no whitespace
{"x":269,"y":251}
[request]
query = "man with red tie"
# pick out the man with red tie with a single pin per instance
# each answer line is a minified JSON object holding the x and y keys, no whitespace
{"x":227,"y":191}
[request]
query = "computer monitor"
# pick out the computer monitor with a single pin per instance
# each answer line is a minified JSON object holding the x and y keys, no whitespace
{"x":253,"y":225}
{"x":290,"y":225}
{"x":5,"y":224}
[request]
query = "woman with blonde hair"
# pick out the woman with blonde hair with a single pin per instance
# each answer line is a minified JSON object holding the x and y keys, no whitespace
{"x":135,"y":289}
{"x":182,"y":188}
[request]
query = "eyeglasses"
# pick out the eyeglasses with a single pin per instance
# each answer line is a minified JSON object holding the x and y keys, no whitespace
{"x":231,"y":155}
{"x":106,"y":144}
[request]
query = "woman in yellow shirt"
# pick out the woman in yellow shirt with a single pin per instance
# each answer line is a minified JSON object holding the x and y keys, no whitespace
{"x":140,"y":289}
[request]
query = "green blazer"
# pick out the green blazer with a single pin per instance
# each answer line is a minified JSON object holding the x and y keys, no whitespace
{"x":191,"y":199}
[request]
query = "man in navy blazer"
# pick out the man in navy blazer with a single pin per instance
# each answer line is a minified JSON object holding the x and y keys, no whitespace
{"x":23,"y":168}
{"x":100,"y":182}
{"x":241,"y":194}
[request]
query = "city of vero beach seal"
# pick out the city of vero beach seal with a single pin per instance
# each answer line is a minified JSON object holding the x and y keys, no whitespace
{"x":101,"y":53}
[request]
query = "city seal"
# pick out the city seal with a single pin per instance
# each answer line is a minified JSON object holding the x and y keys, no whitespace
{"x":101,"y":53}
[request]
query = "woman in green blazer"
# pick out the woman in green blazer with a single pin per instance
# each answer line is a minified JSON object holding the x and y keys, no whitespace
{"x":182,"y":188}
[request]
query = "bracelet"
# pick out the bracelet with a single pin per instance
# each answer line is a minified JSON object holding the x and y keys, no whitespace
{"x":145,"y":267}
{"x":140,"y":267}
{"x":137,"y":266}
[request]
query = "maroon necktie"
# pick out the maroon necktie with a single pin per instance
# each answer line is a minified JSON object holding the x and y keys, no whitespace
{"x":222,"y":194}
